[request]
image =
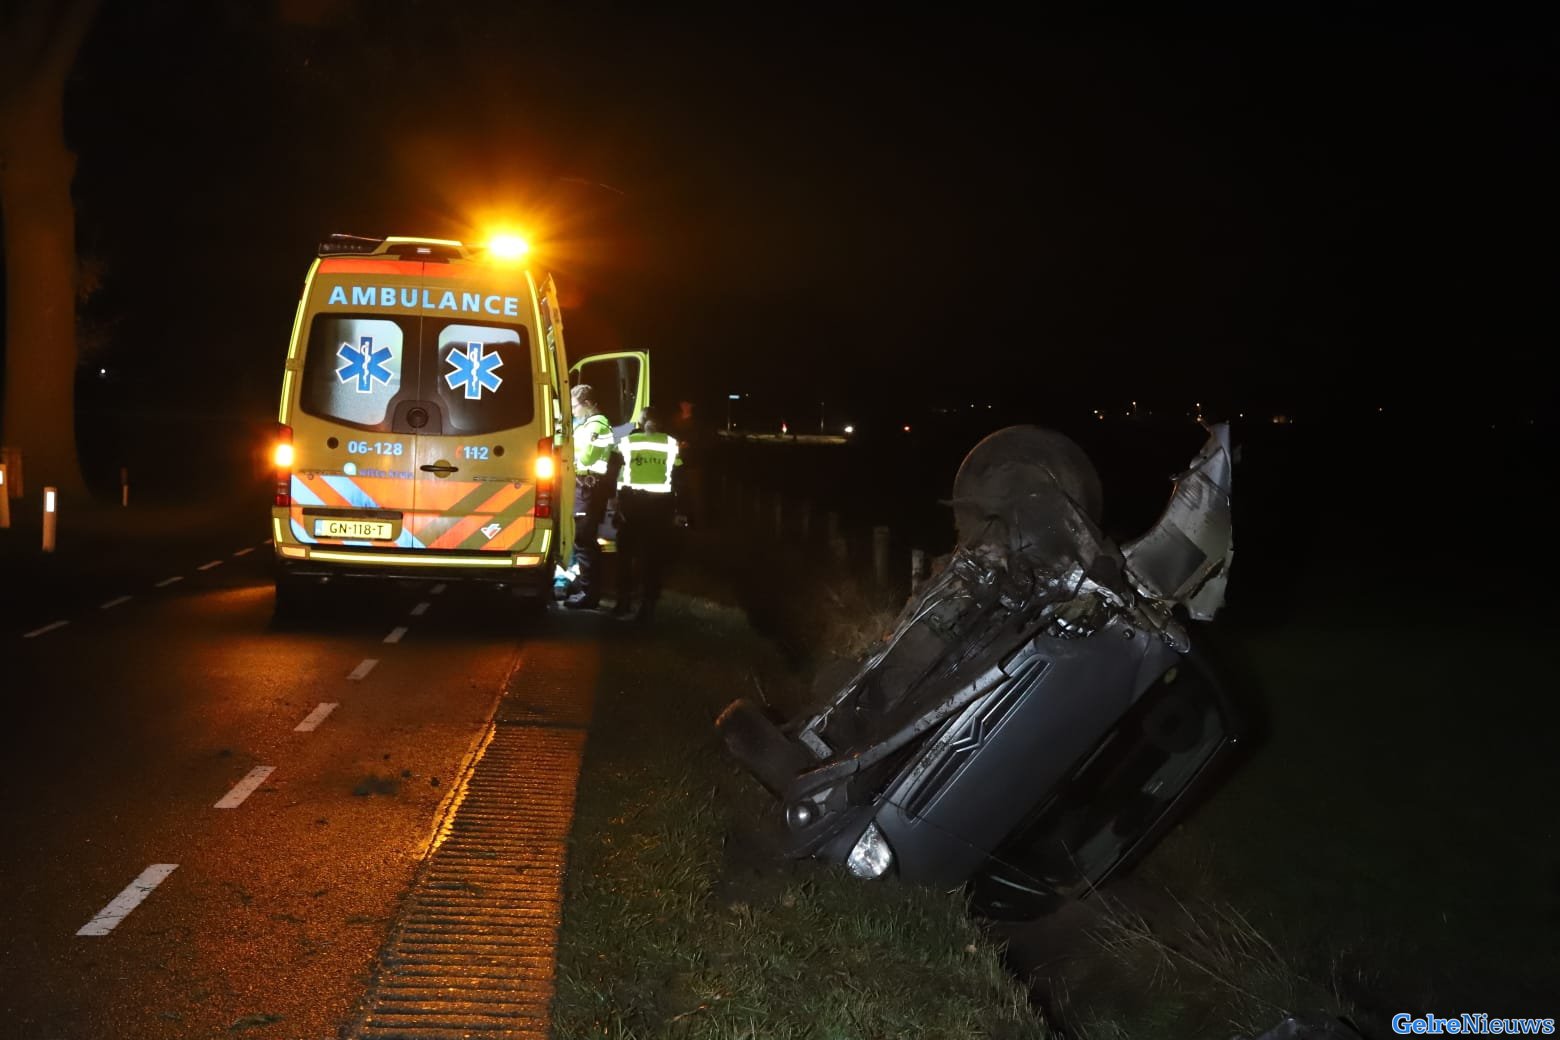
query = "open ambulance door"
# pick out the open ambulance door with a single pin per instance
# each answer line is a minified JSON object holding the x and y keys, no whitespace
{"x":621,"y":382}
{"x":562,"y":420}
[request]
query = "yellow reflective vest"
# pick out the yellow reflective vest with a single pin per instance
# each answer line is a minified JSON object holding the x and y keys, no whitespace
{"x":592,"y":445}
{"x":648,"y":460}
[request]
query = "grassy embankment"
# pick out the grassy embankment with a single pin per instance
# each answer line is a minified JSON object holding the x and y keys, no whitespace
{"x":682,"y":921}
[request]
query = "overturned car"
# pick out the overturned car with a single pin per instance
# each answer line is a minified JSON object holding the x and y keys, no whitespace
{"x":1039,"y":714}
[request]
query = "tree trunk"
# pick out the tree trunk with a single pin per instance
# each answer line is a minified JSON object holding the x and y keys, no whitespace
{"x":38,"y":44}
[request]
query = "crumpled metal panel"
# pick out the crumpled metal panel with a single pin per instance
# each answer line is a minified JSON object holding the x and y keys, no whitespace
{"x":1185,"y":557}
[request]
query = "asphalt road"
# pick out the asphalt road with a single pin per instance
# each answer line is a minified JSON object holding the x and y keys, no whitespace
{"x":131,"y":731}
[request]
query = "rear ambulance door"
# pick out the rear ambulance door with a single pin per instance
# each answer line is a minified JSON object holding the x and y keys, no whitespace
{"x":621,"y":381}
{"x":551,"y":316}
{"x":352,"y":481}
{"x":486,"y":414}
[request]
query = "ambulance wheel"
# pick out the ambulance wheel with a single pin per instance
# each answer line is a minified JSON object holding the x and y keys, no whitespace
{"x":294,"y":599}
{"x":528,"y":605}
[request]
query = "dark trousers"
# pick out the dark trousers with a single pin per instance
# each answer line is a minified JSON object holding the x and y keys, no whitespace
{"x":590,"y":506}
{"x":644,"y":541}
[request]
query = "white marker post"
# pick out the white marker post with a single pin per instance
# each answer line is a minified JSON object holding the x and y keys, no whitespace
{"x":50,"y":513}
{"x":5,"y":498}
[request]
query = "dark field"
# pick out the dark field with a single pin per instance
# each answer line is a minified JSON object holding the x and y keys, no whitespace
{"x":1392,"y":830}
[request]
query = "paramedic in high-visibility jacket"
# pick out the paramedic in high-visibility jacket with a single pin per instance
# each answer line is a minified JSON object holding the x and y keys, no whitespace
{"x":645,"y":512}
{"x":593,"y":444}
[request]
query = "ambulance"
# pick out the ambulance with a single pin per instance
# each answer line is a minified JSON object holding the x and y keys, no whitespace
{"x":424,"y":427}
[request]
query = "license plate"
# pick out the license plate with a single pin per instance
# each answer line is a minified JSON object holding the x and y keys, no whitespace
{"x":329,"y":527}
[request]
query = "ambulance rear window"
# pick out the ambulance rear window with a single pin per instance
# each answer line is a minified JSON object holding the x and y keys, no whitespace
{"x":353,"y":368}
{"x":359,"y":368}
{"x":480,"y":375}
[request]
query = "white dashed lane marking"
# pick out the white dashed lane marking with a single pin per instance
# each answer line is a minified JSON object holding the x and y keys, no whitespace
{"x":126,"y":901}
{"x":396,"y":634}
{"x":208,"y":566}
{"x":420,"y":609}
{"x":115,"y":602}
{"x":168,"y":581}
{"x":316,"y":717}
{"x":437,"y":589}
{"x":245,"y":552}
{"x":362,"y":670}
{"x":246,"y":787}
{"x":50,"y":627}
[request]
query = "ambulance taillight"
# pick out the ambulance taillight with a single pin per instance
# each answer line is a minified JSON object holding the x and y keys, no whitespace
{"x":282,"y":456}
{"x":545,"y":468}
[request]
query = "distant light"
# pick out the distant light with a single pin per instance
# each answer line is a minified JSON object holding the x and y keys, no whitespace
{"x":48,"y":500}
{"x":733,"y":397}
{"x":102,"y":371}
{"x":785,"y":428}
{"x":907,"y":427}
{"x":850,"y":429}
{"x":508,"y":247}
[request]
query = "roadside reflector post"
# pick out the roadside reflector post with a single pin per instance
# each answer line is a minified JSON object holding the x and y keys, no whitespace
{"x":5,"y":497}
{"x":12,"y":458}
{"x":124,"y":486}
{"x":880,"y":555}
{"x":50,"y":515}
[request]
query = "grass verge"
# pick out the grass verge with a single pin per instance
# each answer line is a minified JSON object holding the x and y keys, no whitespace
{"x":681,"y":920}
{"x":1164,"y":953}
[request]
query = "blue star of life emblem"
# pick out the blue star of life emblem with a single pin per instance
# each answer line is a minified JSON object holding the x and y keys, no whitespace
{"x":365,"y":364}
{"x":475,"y":369}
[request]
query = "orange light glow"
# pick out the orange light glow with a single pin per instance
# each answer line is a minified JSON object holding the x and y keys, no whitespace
{"x":283,"y":456}
{"x":544,"y":468}
{"x":508,"y":247}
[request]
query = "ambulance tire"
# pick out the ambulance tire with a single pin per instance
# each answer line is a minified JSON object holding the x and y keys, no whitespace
{"x":295,"y":600}
{"x":529,"y":606}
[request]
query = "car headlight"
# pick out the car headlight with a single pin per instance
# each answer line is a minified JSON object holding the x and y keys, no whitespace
{"x":871,"y":857}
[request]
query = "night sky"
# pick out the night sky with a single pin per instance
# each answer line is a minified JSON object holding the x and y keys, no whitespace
{"x":1309,"y":215}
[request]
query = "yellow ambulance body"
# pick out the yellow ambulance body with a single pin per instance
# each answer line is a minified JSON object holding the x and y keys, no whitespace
{"x":424,"y":421}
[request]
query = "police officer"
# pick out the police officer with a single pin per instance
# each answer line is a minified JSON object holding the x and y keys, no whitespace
{"x":592,"y":459}
{"x":645,"y":509}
